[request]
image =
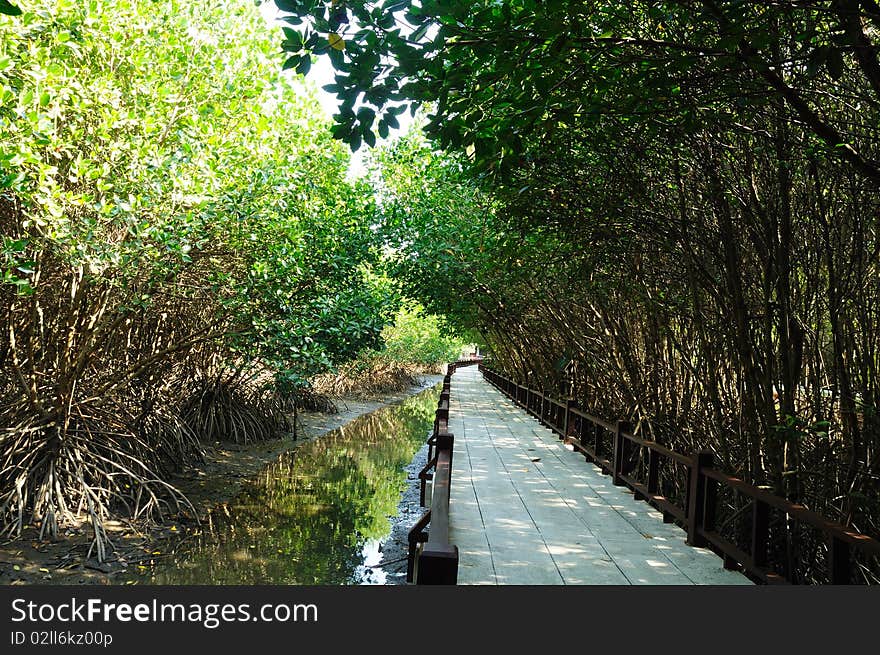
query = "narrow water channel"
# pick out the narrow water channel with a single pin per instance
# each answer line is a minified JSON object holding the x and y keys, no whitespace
{"x":318,"y":514}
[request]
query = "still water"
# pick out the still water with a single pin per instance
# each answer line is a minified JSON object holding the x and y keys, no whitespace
{"x":318,"y":514}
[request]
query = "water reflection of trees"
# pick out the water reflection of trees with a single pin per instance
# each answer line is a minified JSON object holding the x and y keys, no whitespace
{"x":307,"y":517}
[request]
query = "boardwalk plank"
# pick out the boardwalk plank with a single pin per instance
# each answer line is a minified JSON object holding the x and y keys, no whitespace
{"x":525,"y":509}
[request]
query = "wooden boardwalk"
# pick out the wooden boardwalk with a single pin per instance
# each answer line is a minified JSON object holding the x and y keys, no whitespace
{"x":524,"y":509}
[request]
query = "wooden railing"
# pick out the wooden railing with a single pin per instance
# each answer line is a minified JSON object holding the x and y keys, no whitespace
{"x":432,"y":558}
{"x":626,"y":453}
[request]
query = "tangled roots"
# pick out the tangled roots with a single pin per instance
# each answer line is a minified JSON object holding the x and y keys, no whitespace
{"x":89,"y":458}
{"x":309,"y":399}
{"x":234,"y":410}
{"x":377,"y":376}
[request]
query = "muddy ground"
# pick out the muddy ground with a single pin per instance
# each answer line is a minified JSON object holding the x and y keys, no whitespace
{"x":28,"y":561}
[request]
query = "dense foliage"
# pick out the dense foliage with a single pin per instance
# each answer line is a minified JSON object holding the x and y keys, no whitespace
{"x":181,"y":249}
{"x":414,"y":342}
{"x":676,"y":219}
{"x":419,"y":338}
{"x":668,"y":210}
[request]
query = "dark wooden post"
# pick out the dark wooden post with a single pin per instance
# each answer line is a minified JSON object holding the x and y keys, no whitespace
{"x":597,"y":439}
{"x":620,"y":452}
{"x":446,"y":441}
{"x":697,"y":497}
{"x":839,"y":561}
{"x":416,"y":536}
{"x":710,"y":503}
{"x":760,"y":532}
{"x":438,"y":565}
{"x":653,"y":472}
{"x":566,"y":419}
{"x":541,"y":415}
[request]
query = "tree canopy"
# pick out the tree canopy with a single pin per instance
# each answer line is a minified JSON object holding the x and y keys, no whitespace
{"x":668,"y":210}
{"x":499,"y":74}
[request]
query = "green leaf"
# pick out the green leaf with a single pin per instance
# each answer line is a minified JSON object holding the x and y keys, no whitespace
{"x":369,"y":136}
{"x":420,"y":32}
{"x":395,"y":5}
{"x":305,"y":65}
{"x":294,"y":38}
{"x":336,"y":41}
{"x":366,"y":116}
{"x":9,"y":9}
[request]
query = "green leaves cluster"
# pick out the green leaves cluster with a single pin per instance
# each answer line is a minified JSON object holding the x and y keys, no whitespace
{"x":9,"y":9}
{"x":416,"y":337}
{"x":497,"y":74}
{"x":158,"y":147}
{"x":661,"y":208}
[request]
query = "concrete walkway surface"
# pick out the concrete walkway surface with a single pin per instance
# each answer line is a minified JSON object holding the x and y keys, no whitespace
{"x":526,"y":509}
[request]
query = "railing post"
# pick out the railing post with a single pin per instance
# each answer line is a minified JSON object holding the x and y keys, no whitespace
{"x":697,"y":497}
{"x":566,"y":419}
{"x":446,"y":441}
{"x":710,"y":502}
{"x":760,"y":532}
{"x":597,"y":439}
{"x":620,"y":452}
{"x":653,"y":472}
{"x":438,"y":566}
{"x":416,"y":536}
{"x":839,"y":564}
{"x":541,"y":415}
